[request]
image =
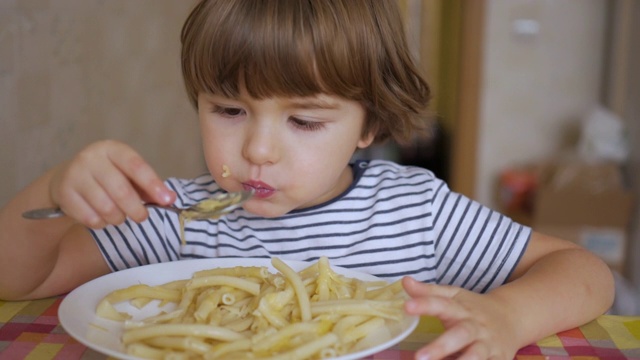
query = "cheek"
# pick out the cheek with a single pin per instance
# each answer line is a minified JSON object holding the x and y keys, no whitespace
{"x":322,"y":164}
{"x":217,"y":153}
{"x":330,"y":153}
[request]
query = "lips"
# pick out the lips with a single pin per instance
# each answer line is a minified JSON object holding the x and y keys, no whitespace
{"x":261,"y":190}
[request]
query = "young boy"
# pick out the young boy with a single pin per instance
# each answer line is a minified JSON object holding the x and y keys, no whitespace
{"x":286,"y":91}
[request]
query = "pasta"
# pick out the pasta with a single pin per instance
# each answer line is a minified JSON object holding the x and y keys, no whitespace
{"x":206,"y":209}
{"x":226,"y":172}
{"x":250,"y":313}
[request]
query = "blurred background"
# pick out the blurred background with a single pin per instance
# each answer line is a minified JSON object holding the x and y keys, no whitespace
{"x":536,"y":104}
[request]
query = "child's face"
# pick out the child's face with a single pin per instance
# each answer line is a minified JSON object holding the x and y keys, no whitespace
{"x":293,"y":151}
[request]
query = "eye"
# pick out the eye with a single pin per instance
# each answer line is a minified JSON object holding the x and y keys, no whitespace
{"x":306,"y":125}
{"x":228,"y":111}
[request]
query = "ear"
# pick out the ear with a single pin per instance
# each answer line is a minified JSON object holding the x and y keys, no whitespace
{"x":366,"y":140}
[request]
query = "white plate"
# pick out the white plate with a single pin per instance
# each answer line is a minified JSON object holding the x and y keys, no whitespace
{"x":77,"y":311}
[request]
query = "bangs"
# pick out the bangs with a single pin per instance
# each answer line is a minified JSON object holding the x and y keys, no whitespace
{"x":273,"y":48}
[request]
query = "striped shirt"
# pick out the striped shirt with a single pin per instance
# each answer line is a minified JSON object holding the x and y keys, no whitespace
{"x":392,"y":221}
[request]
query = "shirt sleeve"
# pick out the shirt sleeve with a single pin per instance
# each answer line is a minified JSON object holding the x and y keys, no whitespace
{"x":476,"y":247}
{"x":132,"y":244}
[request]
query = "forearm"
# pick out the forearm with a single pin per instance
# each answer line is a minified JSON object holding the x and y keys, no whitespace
{"x":563,"y":290}
{"x":29,"y":246}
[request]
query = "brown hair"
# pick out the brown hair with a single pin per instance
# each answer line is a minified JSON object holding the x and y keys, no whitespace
{"x":355,"y":49}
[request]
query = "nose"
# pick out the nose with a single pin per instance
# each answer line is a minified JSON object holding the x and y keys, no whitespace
{"x":261,"y":145}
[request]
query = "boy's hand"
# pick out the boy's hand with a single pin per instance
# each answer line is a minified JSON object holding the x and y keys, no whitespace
{"x":105,"y":183}
{"x":476,"y":326}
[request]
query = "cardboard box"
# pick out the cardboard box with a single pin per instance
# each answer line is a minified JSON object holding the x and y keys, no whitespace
{"x":587,"y":204}
{"x":584,"y":203}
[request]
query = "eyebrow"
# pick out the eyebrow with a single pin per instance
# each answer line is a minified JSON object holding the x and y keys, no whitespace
{"x":314,"y":103}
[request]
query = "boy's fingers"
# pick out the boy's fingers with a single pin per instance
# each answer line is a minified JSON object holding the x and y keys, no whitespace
{"x":461,"y":343}
{"x":84,"y":213}
{"x":97,"y":193}
{"x":415,"y":288}
{"x":110,"y":180}
{"x":122,"y":199}
{"x":477,"y":350}
{"x":444,"y":308}
{"x":142,"y":176}
{"x":452,"y":341}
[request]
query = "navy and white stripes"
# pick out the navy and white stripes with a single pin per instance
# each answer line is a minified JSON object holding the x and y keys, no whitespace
{"x":393,"y":221}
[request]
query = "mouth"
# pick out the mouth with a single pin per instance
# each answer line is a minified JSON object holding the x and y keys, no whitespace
{"x":261,"y":190}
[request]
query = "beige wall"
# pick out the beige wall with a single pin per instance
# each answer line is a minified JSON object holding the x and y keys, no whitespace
{"x":74,"y":71}
{"x":535,"y":87}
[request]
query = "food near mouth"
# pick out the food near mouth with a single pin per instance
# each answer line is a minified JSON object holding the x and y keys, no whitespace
{"x":226,"y":172}
{"x":207,"y":209}
{"x":251,"y":313}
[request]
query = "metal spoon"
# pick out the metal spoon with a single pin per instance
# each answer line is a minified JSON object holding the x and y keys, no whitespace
{"x":211,"y":208}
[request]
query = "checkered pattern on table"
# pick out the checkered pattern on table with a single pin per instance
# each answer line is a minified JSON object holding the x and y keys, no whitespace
{"x":608,"y":337}
{"x":30,"y":330}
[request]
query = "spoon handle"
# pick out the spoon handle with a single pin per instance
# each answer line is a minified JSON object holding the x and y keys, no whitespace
{"x":197,"y":212}
{"x":52,"y":213}
{"x":44,"y":213}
